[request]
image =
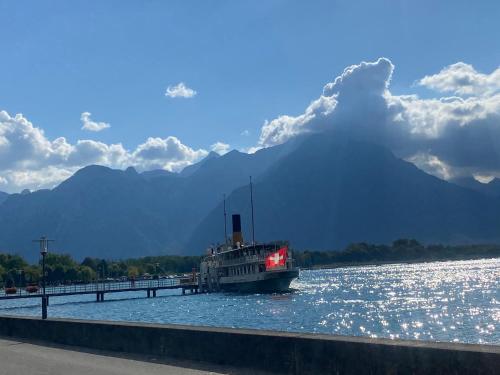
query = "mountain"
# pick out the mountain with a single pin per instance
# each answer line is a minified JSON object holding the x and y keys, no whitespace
{"x":332,"y":191}
{"x":98,"y":211}
{"x":3,"y":196}
{"x":110,"y":213}
{"x":491,"y":188}
{"x":157,"y":173}
{"x":190,"y":169}
{"x":187,"y":171}
{"x":319,"y":192}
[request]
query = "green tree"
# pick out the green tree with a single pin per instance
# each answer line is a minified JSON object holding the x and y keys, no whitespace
{"x":114,"y":270}
{"x":13,"y":262}
{"x":86,"y":274}
{"x":56,"y":273}
{"x":102,"y":269}
{"x":91,"y":263}
{"x":33,"y":274}
{"x":63,"y":260}
{"x":71,"y":274}
{"x":133,"y":271}
{"x":3,"y":275}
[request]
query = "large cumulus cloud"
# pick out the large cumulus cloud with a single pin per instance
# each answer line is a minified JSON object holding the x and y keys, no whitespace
{"x":362,"y":85}
{"x":447,"y":136}
{"x":28,"y":159}
{"x":453,"y":135}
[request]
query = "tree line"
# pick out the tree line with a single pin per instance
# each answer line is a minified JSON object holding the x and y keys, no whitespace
{"x":402,"y":250}
{"x":62,"y":268}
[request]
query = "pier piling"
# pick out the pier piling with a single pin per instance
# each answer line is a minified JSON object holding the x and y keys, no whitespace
{"x":45,"y":302}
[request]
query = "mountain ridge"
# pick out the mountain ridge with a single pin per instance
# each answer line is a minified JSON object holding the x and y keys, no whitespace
{"x":100,"y":210}
{"x":359,"y":202}
{"x":320,"y":192}
{"x":3,"y":196}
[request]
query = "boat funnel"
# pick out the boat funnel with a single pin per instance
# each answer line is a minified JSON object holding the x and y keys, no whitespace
{"x":237,"y":236}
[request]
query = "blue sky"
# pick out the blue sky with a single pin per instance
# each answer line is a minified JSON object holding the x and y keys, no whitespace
{"x":248,"y":61}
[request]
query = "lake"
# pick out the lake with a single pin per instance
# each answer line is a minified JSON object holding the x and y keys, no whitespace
{"x":456,"y":301}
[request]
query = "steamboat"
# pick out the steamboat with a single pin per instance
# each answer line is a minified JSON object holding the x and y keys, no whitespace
{"x":242,"y":267}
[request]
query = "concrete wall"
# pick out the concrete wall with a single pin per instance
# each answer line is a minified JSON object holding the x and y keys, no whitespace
{"x":265,"y":350}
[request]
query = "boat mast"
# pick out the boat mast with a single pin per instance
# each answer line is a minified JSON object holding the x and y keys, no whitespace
{"x":225,"y":222}
{"x":251,"y":202}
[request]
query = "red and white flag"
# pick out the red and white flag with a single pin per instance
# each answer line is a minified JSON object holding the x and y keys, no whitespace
{"x":277,"y":259}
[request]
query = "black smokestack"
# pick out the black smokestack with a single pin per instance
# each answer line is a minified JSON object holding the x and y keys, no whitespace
{"x":237,"y":236}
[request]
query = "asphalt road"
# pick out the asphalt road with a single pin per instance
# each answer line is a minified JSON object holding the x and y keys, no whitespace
{"x":26,"y":358}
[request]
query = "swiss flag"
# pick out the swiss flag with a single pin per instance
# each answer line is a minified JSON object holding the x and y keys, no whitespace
{"x":277,"y":259}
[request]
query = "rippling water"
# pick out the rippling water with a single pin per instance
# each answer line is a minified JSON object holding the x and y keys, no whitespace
{"x":440,"y":301}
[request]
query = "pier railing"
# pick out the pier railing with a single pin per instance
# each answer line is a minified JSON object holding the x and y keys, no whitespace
{"x":103,"y":286}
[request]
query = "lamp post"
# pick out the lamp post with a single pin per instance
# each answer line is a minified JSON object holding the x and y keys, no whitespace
{"x":44,"y":249}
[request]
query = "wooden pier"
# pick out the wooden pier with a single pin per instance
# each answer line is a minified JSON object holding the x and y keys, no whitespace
{"x":102,"y":288}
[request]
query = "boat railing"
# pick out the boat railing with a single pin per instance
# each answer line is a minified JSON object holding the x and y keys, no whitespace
{"x":242,"y":260}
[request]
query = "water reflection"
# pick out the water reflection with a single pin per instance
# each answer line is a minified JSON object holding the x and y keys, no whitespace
{"x":441,"y":301}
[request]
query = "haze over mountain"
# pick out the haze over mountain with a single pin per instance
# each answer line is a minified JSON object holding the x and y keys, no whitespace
{"x":320,"y":192}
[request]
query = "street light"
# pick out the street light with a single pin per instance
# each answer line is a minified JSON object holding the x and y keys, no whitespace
{"x":44,"y":249}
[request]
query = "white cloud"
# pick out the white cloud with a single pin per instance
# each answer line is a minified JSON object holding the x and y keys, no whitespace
{"x":483,"y":179}
{"x":463,"y":79}
{"x":432,"y":165}
{"x":29,"y":160}
{"x":362,"y":85}
{"x":168,"y":153}
{"x":35,"y":179}
{"x":245,"y":133}
{"x":220,"y":148}
{"x":450,"y":136}
{"x":180,"y":91}
{"x":92,"y":126}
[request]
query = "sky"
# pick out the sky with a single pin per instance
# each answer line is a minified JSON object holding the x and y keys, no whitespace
{"x":159,"y":84}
